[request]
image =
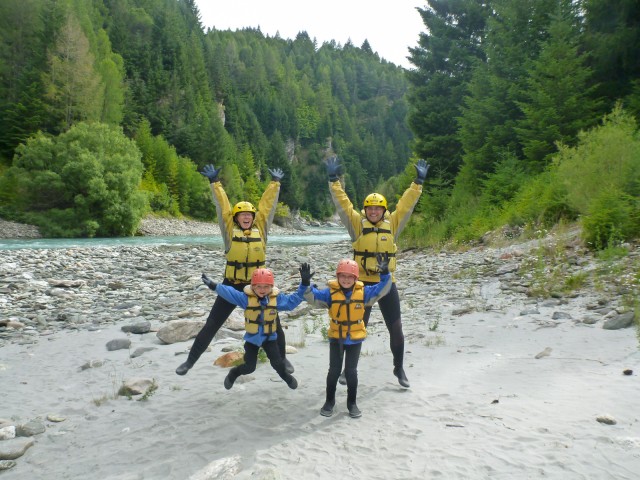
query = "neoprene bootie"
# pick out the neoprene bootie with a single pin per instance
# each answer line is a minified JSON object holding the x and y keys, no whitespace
{"x":354,"y":411}
{"x":184,"y":368}
{"x":327,"y":409}
{"x":402,"y":377}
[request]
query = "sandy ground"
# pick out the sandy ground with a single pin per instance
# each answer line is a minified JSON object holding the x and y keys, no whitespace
{"x":480,"y":406}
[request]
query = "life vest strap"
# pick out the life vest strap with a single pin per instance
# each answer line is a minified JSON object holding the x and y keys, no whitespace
{"x":246,"y":239}
{"x":368,"y":254}
{"x":367,"y":230}
{"x":233,"y":263}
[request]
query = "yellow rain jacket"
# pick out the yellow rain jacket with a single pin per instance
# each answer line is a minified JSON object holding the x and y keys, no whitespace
{"x":369,"y":239}
{"x":245,"y":249}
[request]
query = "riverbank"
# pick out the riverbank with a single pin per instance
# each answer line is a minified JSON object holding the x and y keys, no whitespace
{"x":163,"y":227}
{"x":504,"y":384}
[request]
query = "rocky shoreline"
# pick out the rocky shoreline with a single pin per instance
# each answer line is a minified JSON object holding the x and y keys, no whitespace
{"x":145,"y":304}
{"x":165,"y":227}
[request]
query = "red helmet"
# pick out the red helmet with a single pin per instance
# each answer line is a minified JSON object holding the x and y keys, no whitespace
{"x":349,"y":266}
{"x":262,"y":275}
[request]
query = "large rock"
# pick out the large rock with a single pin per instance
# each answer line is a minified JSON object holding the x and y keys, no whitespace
{"x":179,"y":330}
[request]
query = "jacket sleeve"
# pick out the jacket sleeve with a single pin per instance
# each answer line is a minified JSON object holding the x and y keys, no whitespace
{"x":350,"y":217}
{"x":223,"y":211}
{"x":291,"y":301}
{"x":318,"y":298}
{"x":232,"y":295}
{"x":267,"y":209}
{"x":373,"y":293}
{"x":404,"y":209}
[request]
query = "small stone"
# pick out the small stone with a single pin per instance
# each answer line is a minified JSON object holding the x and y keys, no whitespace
{"x":55,"y":418}
{"x":606,"y":419}
{"x":627,"y":371}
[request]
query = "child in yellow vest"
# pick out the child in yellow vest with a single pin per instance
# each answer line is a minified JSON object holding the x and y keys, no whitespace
{"x":261,"y":302}
{"x":346,"y":299}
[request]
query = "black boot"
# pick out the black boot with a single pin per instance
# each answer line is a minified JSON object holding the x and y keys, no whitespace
{"x":230,"y":378}
{"x":402,"y":378}
{"x":184,"y":368}
{"x":354,"y":411}
{"x":327,"y":409}
{"x":293,"y":383}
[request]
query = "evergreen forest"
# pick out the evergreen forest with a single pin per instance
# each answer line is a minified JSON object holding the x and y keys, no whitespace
{"x":526,"y":111}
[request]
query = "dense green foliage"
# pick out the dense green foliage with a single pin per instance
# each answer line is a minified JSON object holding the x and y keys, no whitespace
{"x":528,"y":84}
{"x":512,"y":102}
{"x":83,"y":182}
{"x":239,"y":100}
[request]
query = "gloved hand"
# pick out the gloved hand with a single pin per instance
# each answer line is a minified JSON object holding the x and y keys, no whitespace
{"x":306,"y":274}
{"x":422,"y":168}
{"x":383,"y":263}
{"x":334,"y":168}
{"x":211,"y":173}
{"x":208,"y":282}
{"x":276,"y":174}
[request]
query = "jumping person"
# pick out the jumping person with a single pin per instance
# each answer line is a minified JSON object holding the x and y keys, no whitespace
{"x":261,"y":301}
{"x":376,"y":230}
{"x":347,"y":298}
{"x":244,"y":231}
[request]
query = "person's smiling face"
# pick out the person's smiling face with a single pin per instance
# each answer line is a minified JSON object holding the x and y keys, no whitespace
{"x":245,"y":220}
{"x":262,"y":289}
{"x":374,"y":214}
{"x":346,"y":280}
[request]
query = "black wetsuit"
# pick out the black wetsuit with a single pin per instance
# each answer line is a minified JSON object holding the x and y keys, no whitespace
{"x":390,"y":309}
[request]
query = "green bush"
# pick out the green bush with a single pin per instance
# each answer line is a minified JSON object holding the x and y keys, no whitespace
{"x":83,"y":183}
{"x":607,"y":158}
{"x":613,"y":218}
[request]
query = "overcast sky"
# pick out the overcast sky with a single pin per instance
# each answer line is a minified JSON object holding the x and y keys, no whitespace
{"x":390,"y":26}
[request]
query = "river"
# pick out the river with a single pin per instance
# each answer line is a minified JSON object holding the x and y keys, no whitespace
{"x":319,"y":237}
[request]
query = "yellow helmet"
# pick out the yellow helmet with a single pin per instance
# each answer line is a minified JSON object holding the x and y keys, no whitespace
{"x":243,"y":207}
{"x":375,"y":200}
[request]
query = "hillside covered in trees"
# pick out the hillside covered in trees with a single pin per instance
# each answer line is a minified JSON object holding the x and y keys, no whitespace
{"x":148,"y":71}
{"x":526,"y":110}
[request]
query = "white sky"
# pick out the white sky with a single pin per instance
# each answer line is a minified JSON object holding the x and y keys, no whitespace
{"x":391,"y":26}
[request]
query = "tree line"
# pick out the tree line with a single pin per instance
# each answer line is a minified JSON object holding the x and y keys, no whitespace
{"x":507,"y":100}
{"x":187,"y":97}
{"x":109,"y":108}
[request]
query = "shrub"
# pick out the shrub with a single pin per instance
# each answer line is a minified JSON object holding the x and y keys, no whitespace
{"x":612,"y":218}
{"x":82,"y":183}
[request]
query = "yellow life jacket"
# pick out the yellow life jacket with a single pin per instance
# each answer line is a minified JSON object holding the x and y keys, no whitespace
{"x":374,"y":239}
{"x":252,"y":313}
{"x":247,"y":252}
{"x":346,"y":315}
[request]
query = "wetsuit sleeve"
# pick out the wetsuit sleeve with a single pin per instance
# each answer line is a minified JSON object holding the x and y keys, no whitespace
{"x":223,"y":211}
{"x":373,"y":293}
{"x":291,"y":301}
{"x":318,"y":298}
{"x":404,"y":208}
{"x":267,"y":209}
{"x":232,"y":295}
{"x":350,"y":217}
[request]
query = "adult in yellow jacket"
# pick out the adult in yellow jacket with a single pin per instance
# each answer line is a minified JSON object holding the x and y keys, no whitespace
{"x":374,"y":230}
{"x":244,"y":231}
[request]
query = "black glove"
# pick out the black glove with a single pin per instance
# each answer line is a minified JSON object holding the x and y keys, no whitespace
{"x":383,"y":263}
{"x":276,"y":174}
{"x":306,"y":274}
{"x":211,"y":173}
{"x":208,"y":282}
{"x":422,"y":168}
{"x":334,"y":168}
